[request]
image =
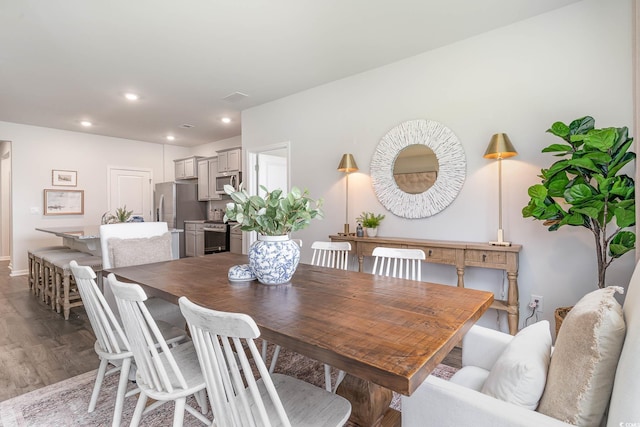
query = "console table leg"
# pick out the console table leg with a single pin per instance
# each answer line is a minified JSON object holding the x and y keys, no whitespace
{"x":369,"y":401}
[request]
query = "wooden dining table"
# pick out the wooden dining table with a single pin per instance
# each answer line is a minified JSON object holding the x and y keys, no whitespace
{"x":385,"y":333}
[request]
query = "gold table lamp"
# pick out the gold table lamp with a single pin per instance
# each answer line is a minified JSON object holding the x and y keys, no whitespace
{"x":347,"y":165}
{"x":500,"y":147}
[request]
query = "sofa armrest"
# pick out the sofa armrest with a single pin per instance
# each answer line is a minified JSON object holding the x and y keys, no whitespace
{"x":441,"y":403}
{"x":482,"y":346}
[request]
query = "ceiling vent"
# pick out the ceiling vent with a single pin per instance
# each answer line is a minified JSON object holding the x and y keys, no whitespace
{"x":186,"y":126}
{"x":235,"y":97}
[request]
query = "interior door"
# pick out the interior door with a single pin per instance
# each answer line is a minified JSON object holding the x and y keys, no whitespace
{"x":131,"y":188}
{"x":268,"y":166}
{"x":272,"y":172}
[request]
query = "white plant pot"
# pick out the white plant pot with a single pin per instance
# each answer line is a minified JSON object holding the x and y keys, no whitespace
{"x":372,"y":232}
{"x":274,"y":259}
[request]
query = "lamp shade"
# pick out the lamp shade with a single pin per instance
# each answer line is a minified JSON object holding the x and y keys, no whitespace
{"x":500,"y":147}
{"x":347,"y":164}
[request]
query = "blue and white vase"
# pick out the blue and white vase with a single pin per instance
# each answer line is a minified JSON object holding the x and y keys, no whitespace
{"x":274,"y":259}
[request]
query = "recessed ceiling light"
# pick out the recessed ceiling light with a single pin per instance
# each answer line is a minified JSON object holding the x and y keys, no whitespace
{"x":131,"y":96}
{"x":171,"y":137}
{"x":226,"y":120}
{"x":86,"y":123}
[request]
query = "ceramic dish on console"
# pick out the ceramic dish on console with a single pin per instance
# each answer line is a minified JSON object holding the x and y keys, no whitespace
{"x":241,"y":273}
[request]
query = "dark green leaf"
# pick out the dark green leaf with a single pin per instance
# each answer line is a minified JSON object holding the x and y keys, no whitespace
{"x":578,"y":193}
{"x":584,"y":163}
{"x":622,"y":243}
{"x":582,"y":125}
{"x":625,"y":217}
{"x":557,"y":148}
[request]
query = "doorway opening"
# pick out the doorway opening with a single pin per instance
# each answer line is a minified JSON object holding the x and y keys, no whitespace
{"x":5,"y":201}
{"x":267,"y":166}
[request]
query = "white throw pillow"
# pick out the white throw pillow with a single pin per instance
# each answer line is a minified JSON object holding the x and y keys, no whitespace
{"x":520,"y":373}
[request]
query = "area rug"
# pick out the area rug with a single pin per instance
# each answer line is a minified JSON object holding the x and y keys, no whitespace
{"x":65,"y":403}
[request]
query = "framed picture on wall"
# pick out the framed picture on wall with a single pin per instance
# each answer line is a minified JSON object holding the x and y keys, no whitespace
{"x":62,"y":178}
{"x":64,"y":202}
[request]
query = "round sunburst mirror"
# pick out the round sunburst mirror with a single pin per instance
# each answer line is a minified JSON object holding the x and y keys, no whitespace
{"x":418,"y":169}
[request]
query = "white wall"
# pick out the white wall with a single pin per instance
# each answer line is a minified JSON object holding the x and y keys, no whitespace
{"x":5,"y":200}
{"x":520,"y":79}
{"x":36,"y":151}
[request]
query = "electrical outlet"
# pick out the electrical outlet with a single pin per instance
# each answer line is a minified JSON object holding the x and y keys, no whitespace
{"x":537,"y":300}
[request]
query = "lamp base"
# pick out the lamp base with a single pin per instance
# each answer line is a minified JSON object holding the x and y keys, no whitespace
{"x":500,"y":241}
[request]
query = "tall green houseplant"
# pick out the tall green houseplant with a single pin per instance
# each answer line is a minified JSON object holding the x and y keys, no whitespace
{"x":586,"y":189}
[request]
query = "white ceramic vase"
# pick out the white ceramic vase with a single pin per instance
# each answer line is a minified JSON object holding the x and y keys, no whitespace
{"x":372,"y":232}
{"x":274,"y":259}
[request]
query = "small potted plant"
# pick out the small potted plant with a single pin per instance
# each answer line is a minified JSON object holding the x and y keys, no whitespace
{"x":122,"y":215}
{"x":370,"y":222}
{"x":273,"y":258}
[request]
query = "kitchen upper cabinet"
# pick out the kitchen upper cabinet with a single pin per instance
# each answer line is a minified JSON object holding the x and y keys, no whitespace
{"x":186,"y":168}
{"x":229,"y":160}
{"x":207,"y":170}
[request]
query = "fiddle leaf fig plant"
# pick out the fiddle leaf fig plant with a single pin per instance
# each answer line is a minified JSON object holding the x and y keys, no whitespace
{"x":586,"y":188}
{"x":274,"y":214}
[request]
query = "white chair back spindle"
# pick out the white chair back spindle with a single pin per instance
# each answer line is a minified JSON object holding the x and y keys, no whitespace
{"x":331,"y":254}
{"x":400,"y":263}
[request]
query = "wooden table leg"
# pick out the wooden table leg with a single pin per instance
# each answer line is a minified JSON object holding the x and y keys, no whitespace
{"x":369,"y":402}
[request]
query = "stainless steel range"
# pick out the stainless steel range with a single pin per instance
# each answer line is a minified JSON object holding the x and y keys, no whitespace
{"x":216,"y":237}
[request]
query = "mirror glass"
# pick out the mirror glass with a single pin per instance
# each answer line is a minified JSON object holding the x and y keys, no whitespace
{"x":418,"y":169}
{"x":415,"y":169}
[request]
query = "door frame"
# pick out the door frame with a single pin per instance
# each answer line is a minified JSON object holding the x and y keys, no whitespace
{"x":251,"y":178}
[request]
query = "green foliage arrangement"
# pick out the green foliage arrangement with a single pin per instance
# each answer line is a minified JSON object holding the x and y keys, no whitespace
{"x":586,"y":189}
{"x":274,"y":214}
{"x":370,"y":220}
{"x":122,"y":215}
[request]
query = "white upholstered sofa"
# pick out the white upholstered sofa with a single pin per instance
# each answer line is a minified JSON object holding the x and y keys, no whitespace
{"x":445,"y":403}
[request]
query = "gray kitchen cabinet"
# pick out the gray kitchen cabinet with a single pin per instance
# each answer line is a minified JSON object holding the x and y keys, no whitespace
{"x":186,"y":168}
{"x":207,"y":170}
{"x":229,"y":160}
{"x":193,"y":239}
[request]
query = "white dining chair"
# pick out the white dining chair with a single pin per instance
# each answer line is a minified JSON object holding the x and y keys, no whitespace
{"x":397,"y":262}
{"x":163,"y":373}
{"x":331,"y":254}
{"x":325,"y":254}
{"x":240,"y":396}
{"x":112,"y":346}
{"x":135,"y":243}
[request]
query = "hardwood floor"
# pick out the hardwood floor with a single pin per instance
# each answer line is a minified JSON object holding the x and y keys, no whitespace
{"x":38,"y":347}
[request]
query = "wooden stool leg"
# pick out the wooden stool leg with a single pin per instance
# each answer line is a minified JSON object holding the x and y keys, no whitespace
{"x":65,"y":301}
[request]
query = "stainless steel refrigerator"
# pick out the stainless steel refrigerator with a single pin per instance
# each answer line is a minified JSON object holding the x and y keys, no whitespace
{"x":176,"y":202}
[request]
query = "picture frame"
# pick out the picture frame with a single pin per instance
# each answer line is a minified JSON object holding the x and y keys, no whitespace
{"x":64,"y":178}
{"x":63,"y":202}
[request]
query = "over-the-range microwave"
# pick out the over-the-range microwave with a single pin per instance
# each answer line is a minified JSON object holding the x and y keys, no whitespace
{"x":233,"y":179}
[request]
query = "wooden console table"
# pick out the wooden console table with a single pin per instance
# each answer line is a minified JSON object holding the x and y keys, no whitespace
{"x":458,"y":254}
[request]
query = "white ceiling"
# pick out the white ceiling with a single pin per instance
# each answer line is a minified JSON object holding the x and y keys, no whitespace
{"x":63,"y":61}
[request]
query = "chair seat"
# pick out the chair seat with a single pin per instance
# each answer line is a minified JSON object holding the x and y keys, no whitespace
{"x":187,"y":359}
{"x":307,"y":405}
